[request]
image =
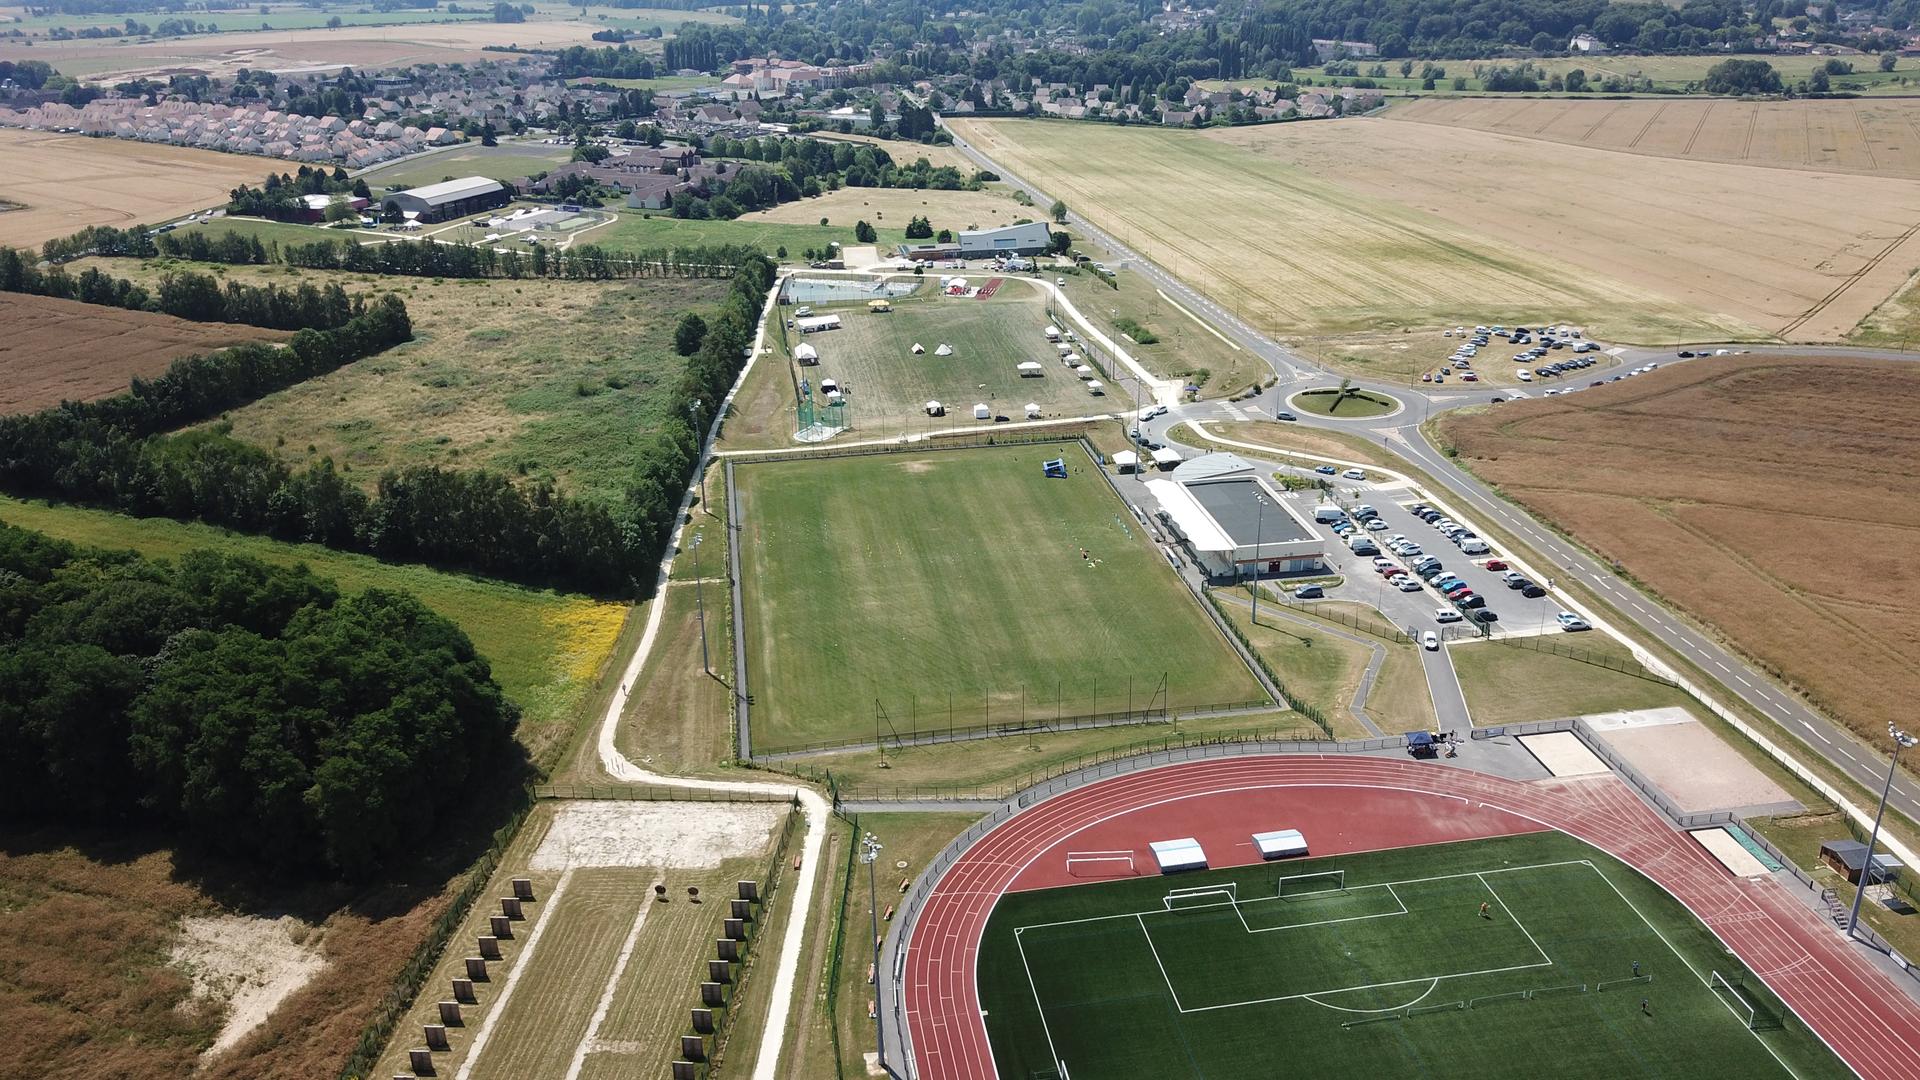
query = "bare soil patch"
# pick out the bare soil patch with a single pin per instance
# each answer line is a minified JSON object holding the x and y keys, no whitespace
{"x":67,"y":182}
{"x":62,"y":350}
{"x":654,"y":834}
{"x":249,"y":963}
{"x":1773,"y":498}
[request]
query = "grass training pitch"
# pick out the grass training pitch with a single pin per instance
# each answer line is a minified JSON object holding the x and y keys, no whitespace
{"x":913,"y":579}
{"x":1684,"y":478}
{"x":509,"y":161}
{"x":64,"y":183}
{"x":54,"y":350}
{"x":1394,"y":224}
{"x":1579,"y":966}
{"x":888,"y":385}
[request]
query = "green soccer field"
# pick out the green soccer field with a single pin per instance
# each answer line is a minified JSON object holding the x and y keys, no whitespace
{"x":951,"y":585}
{"x":1390,"y":970}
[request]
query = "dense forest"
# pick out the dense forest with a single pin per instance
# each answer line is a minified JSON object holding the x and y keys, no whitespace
{"x":251,"y":709}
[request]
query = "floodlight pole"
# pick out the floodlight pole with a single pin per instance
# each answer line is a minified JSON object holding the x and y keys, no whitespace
{"x":1259,"y":532}
{"x":699,"y":443}
{"x":1901,"y":740}
{"x":700,"y":598}
{"x":869,"y":853}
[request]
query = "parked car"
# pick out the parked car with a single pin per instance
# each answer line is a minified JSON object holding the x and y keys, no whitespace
{"x":1520,"y":583}
{"x":1152,"y":411}
{"x":1376,"y":525}
{"x":1430,"y":641}
{"x":1382,"y":565}
{"x":1471,"y":600}
{"x":1485,"y":615}
{"x":1326,"y":470}
{"x":1496,"y":564}
{"x":1570,"y":622}
{"x":1407,"y":584}
{"x":1445,"y":614}
{"x":1532,"y":591}
{"x":1512,"y":576}
{"x":1309,"y":592}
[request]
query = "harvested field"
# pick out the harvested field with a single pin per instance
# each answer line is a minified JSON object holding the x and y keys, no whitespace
{"x":66,"y":182}
{"x":1873,"y":138}
{"x":892,"y":207}
{"x":63,"y":350}
{"x":358,"y":47}
{"x":1720,"y":483}
{"x":557,"y":380}
{"x":1430,"y":249}
{"x":508,"y":161}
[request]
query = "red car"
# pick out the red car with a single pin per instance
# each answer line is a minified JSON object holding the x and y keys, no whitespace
{"x":1496,"y":564}
{"x":1458,"y":591}
{"x":1392,"y":572}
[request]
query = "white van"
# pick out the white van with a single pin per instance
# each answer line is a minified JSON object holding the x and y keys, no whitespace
{"x":1476,"y":546}
{"x":1327,"y":515}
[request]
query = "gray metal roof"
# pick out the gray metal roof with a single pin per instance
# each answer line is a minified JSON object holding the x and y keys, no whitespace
{"x":448,"y":191}
{"x":1230,"y":502}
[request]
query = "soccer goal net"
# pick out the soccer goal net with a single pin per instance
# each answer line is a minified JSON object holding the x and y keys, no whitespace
{"x":1736,"y":1000}
{"x":1326,"y":881}
{"x":1202,"y":896}
{"x":1080,"y":863}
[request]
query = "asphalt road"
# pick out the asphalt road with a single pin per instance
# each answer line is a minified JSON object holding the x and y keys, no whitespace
{"x":1401,"y":434}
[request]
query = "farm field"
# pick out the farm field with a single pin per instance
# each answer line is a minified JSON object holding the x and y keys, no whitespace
{"x":508,"y":161}
{"x":595,"y":942}
{"x":546,"y":649}
{"x":1397,"y":225}
{"x":909,"y":580}
{"x":1116,"y":983}
{"x":1865,"y":137}
{"x":1668,"y":73}
{"x":888,"y":386}
{"x":239,"y":18}
{"x":54,"y":350}
{"x":1684,"y":477}
{"x":552,"y":380}
{"x":361,"y":48}
{"x":126,"y":182}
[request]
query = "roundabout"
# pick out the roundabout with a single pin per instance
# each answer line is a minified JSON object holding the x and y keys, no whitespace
{"x":1350,"y":403}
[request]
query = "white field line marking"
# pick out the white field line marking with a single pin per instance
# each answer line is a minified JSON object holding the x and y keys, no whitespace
{"x":520,"y":965}
{"x":1204,"y":325}
{"x":1164,"y":977}
{"x":1427,"y":993}
{"x":1436,"y":979}
{"x":1041,"y":1009}
{"x":1704,"y":981}
{"x":613,"y":983}
{"x":1516,"y":919}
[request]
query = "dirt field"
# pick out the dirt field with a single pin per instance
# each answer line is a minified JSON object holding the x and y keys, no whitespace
{"x":598,"y":970}
{"x":359,"y":47}
{"x":67,"y":182}
{"x":63,"y":350}
{"x":1772,"y":498}
{"x":1873,"y":138}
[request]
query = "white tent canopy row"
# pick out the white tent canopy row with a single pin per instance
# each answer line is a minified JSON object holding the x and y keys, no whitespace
{"x":944,"y":350}
{"x":1033,"y":411}
{"x":1053,"y":333}
{"x":806,"y":353}
{"x":1028,"y":368}
{"x":918,"y":348}
{"x":1083,"y":371}
{"x":981,"y":412}
{"x":1096,"y":387}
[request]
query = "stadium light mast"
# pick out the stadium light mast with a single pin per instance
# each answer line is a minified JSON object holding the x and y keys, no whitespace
{"x":869,"y":854}
{"x":1901,"y":741}
{"x":699,"y":445}
{"x":1259,"y":533}
{"x":699,"y":598}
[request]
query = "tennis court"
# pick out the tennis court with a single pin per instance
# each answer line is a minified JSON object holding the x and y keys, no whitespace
{"x":1513,"y":957}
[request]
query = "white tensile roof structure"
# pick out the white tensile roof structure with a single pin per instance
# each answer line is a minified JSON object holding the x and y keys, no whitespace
{"x":804,"y":351}
{"x":944,"y":350}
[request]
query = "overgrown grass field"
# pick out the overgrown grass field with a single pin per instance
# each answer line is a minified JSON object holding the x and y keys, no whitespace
{"x":959,"y":585}
{"x":1323,"y":977}
{"x":638,"y":230}
{"x":505,"y":162}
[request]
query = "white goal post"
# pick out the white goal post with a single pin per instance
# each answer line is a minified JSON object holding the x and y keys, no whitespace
{"x":1098,"y":857}
{"x":1323,"y":881}
{"x":1225,"y":894}
{"x":1735,"y":998}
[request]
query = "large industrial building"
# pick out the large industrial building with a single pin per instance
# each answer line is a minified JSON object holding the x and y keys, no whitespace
{"x":1030,"y":238}
{"x":1232,"y":522}
{"x":447,"y":200}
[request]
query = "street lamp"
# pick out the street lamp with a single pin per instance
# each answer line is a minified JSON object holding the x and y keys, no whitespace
{"x":700,"y":598}
{"x":699,"y":443}
{"x":1259,"y":533}
{"x":869,"y":854}
{"x":1901,"y":741}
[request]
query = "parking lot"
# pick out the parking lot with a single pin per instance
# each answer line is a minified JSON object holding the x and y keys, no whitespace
{"x":1415,"y":611}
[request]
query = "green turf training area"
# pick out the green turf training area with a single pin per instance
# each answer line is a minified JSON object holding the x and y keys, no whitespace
{"x":1384,"y":967}
{"x":962,"y":587}
{"x":889,"y":385}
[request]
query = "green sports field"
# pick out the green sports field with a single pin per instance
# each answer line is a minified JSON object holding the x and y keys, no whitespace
{"x":954,"y":580}
{"x":1388,"y":971}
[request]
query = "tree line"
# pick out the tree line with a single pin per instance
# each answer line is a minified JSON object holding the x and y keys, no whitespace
{"x":187,"y":295}
{"x":247,"y":708}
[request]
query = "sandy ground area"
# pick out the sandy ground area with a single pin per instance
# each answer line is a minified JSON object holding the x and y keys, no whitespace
{"x":1691,"y":764}
{"x":689,"y":836}
{"x":67,"y":182}
{"x":1722,"y":846}
{"x":1563,"y":754}
{"x":250,"y":963}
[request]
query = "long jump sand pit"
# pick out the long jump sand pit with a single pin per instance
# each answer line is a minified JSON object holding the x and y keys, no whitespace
{"x":1694,"y":766}
{"x":1563,"y":754}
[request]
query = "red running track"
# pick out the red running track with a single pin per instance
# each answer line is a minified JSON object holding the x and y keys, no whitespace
{"x":1869,"y":1022}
